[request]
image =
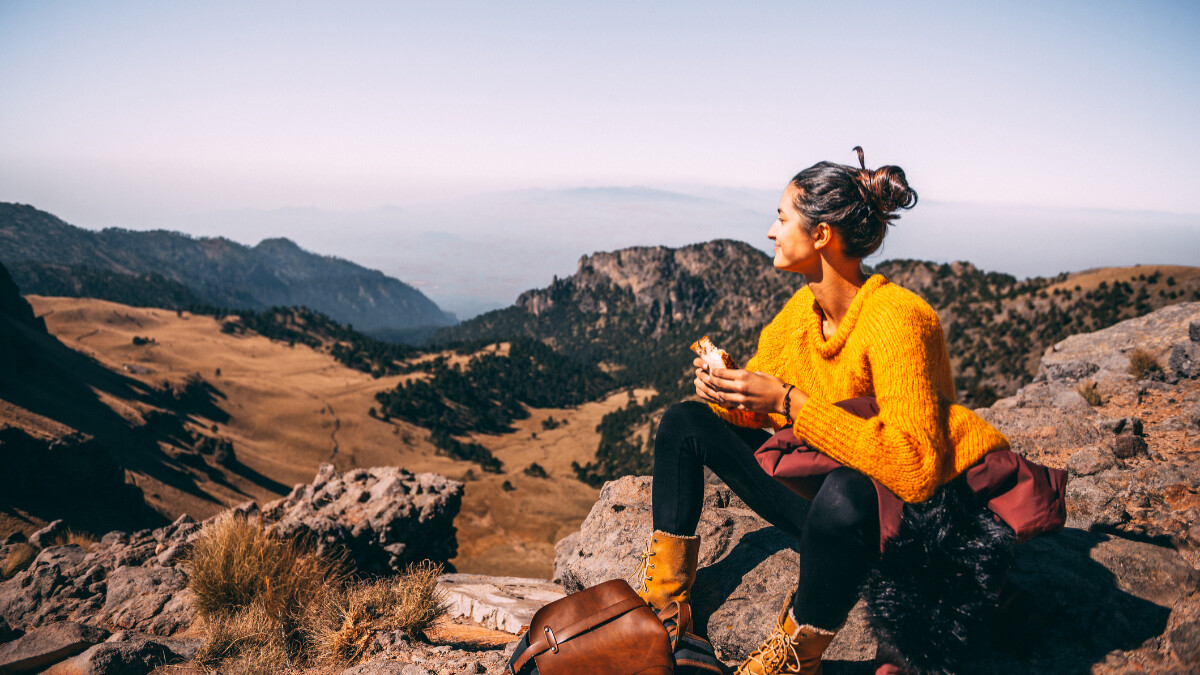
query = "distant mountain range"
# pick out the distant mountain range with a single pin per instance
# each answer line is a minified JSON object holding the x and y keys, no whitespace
{"x":47,"y":256}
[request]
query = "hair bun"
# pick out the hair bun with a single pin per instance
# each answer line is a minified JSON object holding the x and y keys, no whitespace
{"x":884,"y":189}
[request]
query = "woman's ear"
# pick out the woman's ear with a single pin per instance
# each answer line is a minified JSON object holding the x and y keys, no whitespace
{"x":822,"y":235}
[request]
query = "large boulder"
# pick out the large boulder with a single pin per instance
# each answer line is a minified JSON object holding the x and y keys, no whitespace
{"x":1076,"y":598}
{"x":384,"y":517}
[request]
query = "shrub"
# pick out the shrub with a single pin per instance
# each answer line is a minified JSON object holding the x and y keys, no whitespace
{"x":343,"y":627}
{"x":535,"y":470}
{"x":1143,"y":365}
{"x":18,"y":559}
{"x":251,"y":589}
{"x":1090,"y":394}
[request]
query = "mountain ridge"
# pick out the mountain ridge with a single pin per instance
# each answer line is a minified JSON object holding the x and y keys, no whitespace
{"x":275,"y":272}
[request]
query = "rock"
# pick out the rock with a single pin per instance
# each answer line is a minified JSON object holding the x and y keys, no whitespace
{"x":1063,"y":369}
{"x":47,"y":645}
{"x":1079,"y":596}
{"x":1092,"y":503}
{"x":1184,"y":361}
{"x":1128,"y":446}
{"x":384,"y":666}
{"x":1091,"y":460}
{"x":49,"y":534}
{"x":1185,"y":642}
{"x":136,"y":657}
{"x":1103,"y":355}
{"x":385,"y":517}
{"x":1071,"y":401}
{"x":150,"y":599}
{"x":65,"y":556}
{"x":500,"y":603}
{"x":1038,"y":429}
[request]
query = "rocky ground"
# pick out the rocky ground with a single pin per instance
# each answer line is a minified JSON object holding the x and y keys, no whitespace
{"x":1117,"y":591}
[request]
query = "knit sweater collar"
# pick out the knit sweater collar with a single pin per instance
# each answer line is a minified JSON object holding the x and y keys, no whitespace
{"x":831,"y":347}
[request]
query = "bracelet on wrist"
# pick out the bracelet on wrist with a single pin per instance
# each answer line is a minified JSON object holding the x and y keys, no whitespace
{"x":787,"y":403}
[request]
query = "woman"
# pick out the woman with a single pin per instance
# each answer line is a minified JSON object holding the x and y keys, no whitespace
{"x":843,"y":335}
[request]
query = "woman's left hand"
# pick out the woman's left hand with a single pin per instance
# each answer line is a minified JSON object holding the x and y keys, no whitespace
{"x":753,"y":391}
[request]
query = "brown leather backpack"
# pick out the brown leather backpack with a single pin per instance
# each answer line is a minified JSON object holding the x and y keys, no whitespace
{"x":603,"y":630}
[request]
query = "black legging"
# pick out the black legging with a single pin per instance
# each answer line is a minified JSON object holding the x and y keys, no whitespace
{"x":838,"y":532}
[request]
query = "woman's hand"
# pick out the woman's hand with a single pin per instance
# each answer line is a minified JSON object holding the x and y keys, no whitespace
{"x":756,"y":392}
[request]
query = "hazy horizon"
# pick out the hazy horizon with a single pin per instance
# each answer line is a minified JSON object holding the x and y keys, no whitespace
{"x":1042,"y":137}
{"x":470,"y":270}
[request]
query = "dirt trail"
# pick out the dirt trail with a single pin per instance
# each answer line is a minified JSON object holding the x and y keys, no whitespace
{"x":337,"y":422}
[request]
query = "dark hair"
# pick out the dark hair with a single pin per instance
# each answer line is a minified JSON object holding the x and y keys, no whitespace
{"x":857,"y":202}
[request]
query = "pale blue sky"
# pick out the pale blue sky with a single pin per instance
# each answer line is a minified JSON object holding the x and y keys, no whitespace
{"x":162,"y":114}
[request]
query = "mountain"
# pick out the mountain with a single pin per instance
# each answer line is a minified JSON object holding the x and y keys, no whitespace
{"x":636,"y":310}
{"x":48,"y":256}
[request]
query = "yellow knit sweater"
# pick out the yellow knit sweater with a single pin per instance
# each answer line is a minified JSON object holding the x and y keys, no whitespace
{"x":890,"y":346}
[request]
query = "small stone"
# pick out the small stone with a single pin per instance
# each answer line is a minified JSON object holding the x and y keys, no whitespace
{"x":1184,"y":361}
{"x":1194,"y":331}
{"x":1127,"y":447}
{"x":46,"y":536}
{"x":1091,"y":460}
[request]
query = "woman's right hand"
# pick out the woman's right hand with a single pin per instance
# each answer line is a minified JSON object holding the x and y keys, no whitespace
{"x":706,"y":393}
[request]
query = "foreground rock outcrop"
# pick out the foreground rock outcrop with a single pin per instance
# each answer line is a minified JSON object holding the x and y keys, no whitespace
{"x":132,"y":582}
{"x":384,"y":518}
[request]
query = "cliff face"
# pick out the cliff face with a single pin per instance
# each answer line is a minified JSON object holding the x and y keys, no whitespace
{"x":724,"y":283}
{"x":276,"y":272}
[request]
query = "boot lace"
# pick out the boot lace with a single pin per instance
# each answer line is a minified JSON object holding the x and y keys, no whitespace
{"x":774,"y":655}
{"x":642,"y":574}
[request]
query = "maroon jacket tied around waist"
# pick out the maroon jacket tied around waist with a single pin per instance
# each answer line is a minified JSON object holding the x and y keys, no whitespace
{"x":1028,"y":497}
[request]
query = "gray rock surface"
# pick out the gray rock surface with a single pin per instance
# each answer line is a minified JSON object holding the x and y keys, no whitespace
{"x":1091,"y":460}
{"x":125,"y":654}
{"x":68,"y":583}
{"x":385,"y":517}
{"x":47,"y":645}
{"x":1150,"y":489}
{"x":500,"y":603}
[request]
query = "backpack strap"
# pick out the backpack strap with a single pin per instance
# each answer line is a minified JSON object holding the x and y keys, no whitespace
{"x":551,"y":639}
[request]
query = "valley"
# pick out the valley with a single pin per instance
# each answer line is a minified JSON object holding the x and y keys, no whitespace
{"x":290,"y":408}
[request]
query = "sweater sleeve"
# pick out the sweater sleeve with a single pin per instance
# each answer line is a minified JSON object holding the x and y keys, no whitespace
{"x":904,"y":447}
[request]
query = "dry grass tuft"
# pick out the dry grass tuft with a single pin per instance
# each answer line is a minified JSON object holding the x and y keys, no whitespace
{"x":344,"y":627}
{"x":248,"y":642}
{"x":83,"y":540}
{"x":251,"y":590}
{"x":1143,"y":365}
{"x":1090,"y":393}
{"x":19,"y":558}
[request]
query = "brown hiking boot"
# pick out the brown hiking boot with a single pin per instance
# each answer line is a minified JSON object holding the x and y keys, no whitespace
{"x":789,"y":649}
{"x":667,"y":569}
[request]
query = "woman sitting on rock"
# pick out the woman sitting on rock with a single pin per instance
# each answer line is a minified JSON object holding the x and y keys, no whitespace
{"x":843,"y":335}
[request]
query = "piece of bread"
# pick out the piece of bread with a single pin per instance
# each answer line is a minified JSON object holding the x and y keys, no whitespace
{"x":711,"y":355}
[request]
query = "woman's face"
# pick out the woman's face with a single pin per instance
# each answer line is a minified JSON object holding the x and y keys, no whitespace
{"x":795,"y":249}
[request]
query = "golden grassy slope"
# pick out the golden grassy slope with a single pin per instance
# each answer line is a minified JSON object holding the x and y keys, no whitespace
{"x":292,"y":408}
